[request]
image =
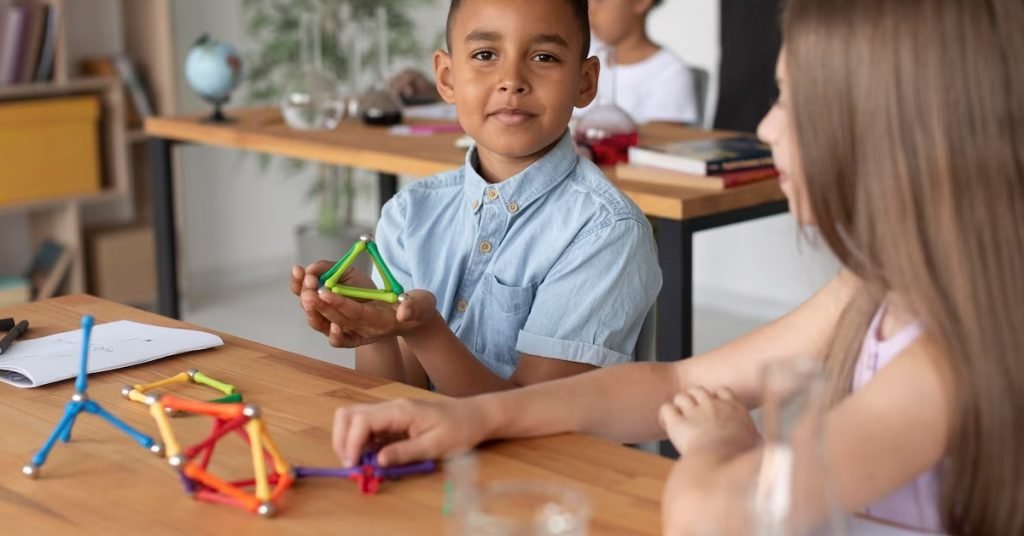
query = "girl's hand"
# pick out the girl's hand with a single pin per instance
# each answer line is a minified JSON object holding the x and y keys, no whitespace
{"x":429,"y":429}
{"x":355,"y":323}
{"x":701,"y":420}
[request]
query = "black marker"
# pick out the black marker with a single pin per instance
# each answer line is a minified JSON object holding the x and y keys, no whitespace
{"x":6,"y":324}
{"x":13,"y":335}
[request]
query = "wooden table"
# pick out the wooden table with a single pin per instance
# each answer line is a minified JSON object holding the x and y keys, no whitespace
{"x":677,"y":212}
{"x":102,"y":482}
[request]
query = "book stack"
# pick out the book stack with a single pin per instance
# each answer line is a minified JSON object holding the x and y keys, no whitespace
{"x":28,"y":42}
{"x":709,"y":164}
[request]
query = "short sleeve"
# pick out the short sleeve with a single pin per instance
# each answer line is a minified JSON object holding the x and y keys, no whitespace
{"x":391,"y":243}
{"x":592,"y":303}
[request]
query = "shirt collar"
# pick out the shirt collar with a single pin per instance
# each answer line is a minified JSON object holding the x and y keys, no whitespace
{"x":525,"y":187}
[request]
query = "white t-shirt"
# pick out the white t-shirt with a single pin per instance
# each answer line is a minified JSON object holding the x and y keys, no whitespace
{"x":660,"y":88}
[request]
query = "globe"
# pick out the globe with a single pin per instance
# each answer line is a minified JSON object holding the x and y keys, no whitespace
{"x":213,"y":70}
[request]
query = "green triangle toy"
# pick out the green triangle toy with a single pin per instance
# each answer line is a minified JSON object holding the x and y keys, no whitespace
{"x":392,"y":291}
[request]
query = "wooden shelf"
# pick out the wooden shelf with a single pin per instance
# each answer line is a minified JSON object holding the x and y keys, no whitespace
{"x":149,"y":42}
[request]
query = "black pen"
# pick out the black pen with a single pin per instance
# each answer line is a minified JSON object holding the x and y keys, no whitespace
{"x":13,"y":335}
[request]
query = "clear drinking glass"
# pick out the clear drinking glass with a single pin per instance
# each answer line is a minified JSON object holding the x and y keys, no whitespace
{"x":378,"y":105}
{"x":527,"y":508}
{"x":794,"y":494}
{"x":312,"y":100}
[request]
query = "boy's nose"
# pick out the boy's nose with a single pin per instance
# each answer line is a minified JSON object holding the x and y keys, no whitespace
{"x":513,"y":81}
{"x":514,"y":86}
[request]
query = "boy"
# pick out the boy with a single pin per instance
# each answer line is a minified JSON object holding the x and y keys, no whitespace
{"x":647,"y":81}
{"x":537,"y":267}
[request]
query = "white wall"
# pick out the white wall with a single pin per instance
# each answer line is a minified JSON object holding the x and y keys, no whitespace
{"x":757,"y":269}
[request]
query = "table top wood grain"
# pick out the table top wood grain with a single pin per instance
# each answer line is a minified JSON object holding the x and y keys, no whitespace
{"x":102,"y":482}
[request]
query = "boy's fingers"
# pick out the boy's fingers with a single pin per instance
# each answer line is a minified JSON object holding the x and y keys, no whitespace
{"x":296,"y":280}
{"x":318,"y":268}
{"x":355,"y":426}
{"x":419,"y":305}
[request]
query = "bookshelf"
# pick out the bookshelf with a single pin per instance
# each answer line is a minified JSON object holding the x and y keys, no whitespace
{"x":146,"y":29}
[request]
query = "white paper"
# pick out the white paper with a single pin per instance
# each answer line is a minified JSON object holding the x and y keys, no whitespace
{"x":35,"y":362}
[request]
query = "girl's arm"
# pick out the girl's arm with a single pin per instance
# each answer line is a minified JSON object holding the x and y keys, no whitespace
{"x":876,"y":440}
{"x":620,"y":403}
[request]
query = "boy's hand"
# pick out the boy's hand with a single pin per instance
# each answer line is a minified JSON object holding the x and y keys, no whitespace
{"x":429,"y":430}
{"x":356,"y":323}
{"x":701,"y":420}
{"x":305,"y":283}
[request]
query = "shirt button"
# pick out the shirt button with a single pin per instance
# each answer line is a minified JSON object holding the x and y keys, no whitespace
{"x":513,"y":208}
{"x":486,"y":246}
{"x":462,"y":306}
{"x":475,"y":204}
{"x":492,"y":194}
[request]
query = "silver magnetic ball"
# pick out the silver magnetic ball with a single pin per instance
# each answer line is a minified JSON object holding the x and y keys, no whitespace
{"x":152,"y":399}
{"x":126,"y":391}
{"x":30,"y":470}
{"x":366,"y":237}
{"x":403,"y":297}
{"x":79,"y":397}
{"x":266,"y":510}
{"x":192,"y":373}
{"x":251,"y":410}
{"x":158,"y":449}
{"x":176,"y":461}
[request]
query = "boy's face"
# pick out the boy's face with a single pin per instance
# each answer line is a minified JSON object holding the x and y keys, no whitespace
{"x":612,"y":20}
{"x":514,"y":73}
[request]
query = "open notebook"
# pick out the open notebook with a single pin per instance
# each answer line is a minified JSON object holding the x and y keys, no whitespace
{"x":35,"y":362}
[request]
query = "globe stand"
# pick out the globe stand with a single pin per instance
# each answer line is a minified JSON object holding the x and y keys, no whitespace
{"x":218,"y":116}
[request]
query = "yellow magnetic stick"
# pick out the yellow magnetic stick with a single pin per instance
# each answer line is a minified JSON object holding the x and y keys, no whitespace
{"x":280,"y":465}
{"x":203,"y":379}
{"x":259,"y":465}
{"x":357,"y":249}
{"x":171,"y":447}
{"x":137,"y":396}
{"x":177,"y":378}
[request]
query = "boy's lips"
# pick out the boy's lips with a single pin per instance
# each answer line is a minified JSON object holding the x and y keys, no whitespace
{"x":512,"y":116}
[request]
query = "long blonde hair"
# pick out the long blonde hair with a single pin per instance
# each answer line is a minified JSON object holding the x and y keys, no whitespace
{"x":910,"y":119}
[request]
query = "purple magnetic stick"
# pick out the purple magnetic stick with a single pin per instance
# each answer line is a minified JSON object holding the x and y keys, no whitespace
{"x":369,"y":459}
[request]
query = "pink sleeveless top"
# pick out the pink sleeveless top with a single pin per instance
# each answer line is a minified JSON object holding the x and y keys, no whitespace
{"x":915,"y":505}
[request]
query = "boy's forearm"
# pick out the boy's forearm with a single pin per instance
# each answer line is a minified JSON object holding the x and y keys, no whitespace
{"x":618,"y":403}
{"x":452,"y":368}
{"x":382,"y":359}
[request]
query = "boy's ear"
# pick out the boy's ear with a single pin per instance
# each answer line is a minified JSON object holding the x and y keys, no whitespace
{"x":443,"y":76}
{"x":589,"y":73}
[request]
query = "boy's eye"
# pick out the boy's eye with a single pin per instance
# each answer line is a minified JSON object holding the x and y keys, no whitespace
{"x":484,"y":55}
{"x":545,"y":58}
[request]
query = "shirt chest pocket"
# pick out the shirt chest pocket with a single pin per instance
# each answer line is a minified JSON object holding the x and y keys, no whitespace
{"x":503,"y":314}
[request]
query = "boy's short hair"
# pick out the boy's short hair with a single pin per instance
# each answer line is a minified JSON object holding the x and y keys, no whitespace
{"x":580,"y":8}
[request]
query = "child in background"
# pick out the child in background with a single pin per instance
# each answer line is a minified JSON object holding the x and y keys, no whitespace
{"x":651,"y":84}
{"x":534,"y":266}
{"x":911,"y":168}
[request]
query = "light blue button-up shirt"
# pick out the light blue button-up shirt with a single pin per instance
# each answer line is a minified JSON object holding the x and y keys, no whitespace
{"x":554,"y":262}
